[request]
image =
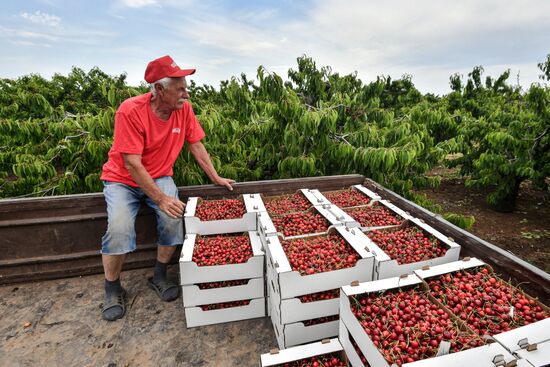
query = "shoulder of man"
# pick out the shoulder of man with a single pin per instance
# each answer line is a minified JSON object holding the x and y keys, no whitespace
{"x":134,"y":102}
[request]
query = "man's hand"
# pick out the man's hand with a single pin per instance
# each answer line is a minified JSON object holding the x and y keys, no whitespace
{"x":171,"y":206}
{"x":203,"y":159}
{"x":225,"y":182}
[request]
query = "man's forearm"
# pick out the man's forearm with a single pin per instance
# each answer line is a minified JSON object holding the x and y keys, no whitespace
{"x":144,"y":180}
{"x":172,"y":206}
{"x":203,"y":159}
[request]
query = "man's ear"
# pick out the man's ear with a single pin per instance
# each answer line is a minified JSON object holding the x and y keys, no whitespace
{"x":159,"y":88}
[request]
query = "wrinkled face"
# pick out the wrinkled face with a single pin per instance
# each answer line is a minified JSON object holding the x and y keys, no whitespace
{"x":175,"y":93}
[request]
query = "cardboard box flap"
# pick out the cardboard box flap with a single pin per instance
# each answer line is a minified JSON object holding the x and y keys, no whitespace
{"x":300,"y":352}
{"x":395,"y":209}
{"x":253,"y":203}
{"x":371,"y":194}
{"x":188,"y":247}
{"x":256,"y":243}
{"x":278,"y":256}
{"x":381,"y":285}
{"x":436,"y":270}
{"x":315,"y":197}
{"x":360,"y":242}
{"x":338,"y":213}
{"x":191,"y":206}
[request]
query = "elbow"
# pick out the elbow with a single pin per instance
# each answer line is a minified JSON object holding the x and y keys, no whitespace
{"x":130,"y":164}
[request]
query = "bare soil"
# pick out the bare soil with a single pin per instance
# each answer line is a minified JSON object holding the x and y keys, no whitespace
{"x":58,"y":323}
{"x":525,"y":232}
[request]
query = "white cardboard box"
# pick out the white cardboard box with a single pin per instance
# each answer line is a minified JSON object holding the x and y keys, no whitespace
{"x":293,"y":310}
{"x":278,"y":357}
{"x":366,"y":346}
{"x":395,"y":211}
{"x":481,"y":356}
{"x":290,"y":283}
{"x":266,"y":228}
{"x":289,"y":335}
{"x":195,"y":316}
{"x":191,"y":273}
{"x":194,"y":296}
{"x":245,"y":223}
{"x":385,"y":267}
{"x":313,"y":197}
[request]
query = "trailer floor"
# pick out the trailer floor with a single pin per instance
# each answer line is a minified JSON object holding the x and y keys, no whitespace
{"x":58,"y":323}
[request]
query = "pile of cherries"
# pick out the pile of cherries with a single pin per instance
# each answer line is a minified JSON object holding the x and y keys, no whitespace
{"x":319,"y":254}
{"x":226,"y":283}
{"x":321,"y":320}
{"x":406,"y":326}
{"x":374,"y":216}
{"x":347,"y":198}
{"x":320,"y":296}
{"x":324,"y":360}
{"x":283,"y":204}
{"x":486,"y":303}
{"x":219,"y":306}
{"x":358,"y":351}
{"x":222,"y":250}
{"x":220,"y":209}
{"x":407,"y":245}
{"x":295,"y":224}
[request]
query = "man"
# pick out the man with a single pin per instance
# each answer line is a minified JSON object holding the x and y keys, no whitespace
{"x":150,"y":131}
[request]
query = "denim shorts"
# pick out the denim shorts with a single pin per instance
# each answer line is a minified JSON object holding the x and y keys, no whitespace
{"x":123,"y":203}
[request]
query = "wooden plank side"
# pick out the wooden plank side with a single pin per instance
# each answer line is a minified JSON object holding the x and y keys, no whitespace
{"x":533,"y":280}
{"x":70,"y":265}
{"x":94,"y":204}
{"x":65,"y":230}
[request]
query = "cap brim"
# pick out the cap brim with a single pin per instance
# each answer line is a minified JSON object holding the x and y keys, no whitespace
{"x":182,"y":72}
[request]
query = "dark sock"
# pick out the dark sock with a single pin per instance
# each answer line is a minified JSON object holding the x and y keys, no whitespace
{"x":160,"y":272}
{"x":112,"y":287}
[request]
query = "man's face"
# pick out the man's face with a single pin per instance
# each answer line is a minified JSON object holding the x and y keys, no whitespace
{"x":175,"y":94}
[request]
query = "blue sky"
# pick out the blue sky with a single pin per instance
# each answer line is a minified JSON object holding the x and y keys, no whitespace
{"x":429,"y":40}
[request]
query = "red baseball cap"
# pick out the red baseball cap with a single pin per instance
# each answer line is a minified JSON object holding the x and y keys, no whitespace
{"x":164,"y":67}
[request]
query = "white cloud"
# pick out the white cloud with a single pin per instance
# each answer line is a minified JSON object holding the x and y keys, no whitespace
{"x":30,"y":44}
{"x":41,"y":18}
{"x":13,"y":34}
{"x":235,"y":38}
{"x":138,"y":3}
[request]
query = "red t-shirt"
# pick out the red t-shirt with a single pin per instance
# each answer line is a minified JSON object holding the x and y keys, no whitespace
{"x":139,"y":131}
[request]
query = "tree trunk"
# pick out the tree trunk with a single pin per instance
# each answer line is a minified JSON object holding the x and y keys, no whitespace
{"x":508,"y":203}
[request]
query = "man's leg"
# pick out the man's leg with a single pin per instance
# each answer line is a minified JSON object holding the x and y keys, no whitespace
{"x":112,"y":266}
{"x":170,"y":234}
{"x":122,"y":206}
{"x":164,"y":253}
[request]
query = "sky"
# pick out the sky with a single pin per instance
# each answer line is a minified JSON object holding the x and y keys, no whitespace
{"x":427,"y":39}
